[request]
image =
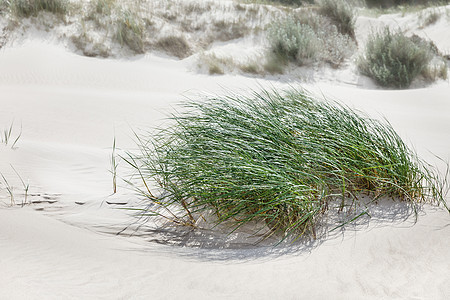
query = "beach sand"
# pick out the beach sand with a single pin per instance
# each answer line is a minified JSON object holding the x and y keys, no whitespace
{"x":67,"y":110}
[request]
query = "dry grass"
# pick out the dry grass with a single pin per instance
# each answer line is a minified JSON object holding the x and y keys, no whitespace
{"x":274,"y":64}
{"x":28,"y":8}
{"x":251,"y":68}
{"x":226,"y":31}
{"x":215,"y":65}
{"x":174,"y":45}
{"x":130,"y":31}
{"x":308,"y":38}
{"x":431,"y":18}
{"x":341,"y":13}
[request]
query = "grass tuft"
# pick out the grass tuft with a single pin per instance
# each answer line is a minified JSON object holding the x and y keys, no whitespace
{"x":281,"y":160}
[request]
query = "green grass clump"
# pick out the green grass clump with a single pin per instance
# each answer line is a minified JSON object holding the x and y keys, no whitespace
{"x":28,"y":8}
{"x":278,"y":159}
{"x":341,"y":14}
{"x":393,"y":59}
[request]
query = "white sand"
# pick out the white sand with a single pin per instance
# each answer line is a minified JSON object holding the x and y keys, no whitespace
{"x":71,"y":107}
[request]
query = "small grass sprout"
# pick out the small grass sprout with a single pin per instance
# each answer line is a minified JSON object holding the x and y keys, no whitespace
{"x":114,"y":165}
{"x":279,"y":159}
{"x":26,"y":186}
{"x":6,"y":137}
{"x":10,"y":189}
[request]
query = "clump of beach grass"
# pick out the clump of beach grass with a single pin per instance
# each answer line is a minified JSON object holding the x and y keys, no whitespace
{"x":278,"y":159}
{"x":114,"y":165}
{"x":28,"y":8}
{"x":393,"y":59}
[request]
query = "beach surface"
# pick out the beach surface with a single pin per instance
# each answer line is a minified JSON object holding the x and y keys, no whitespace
{"x":62,"y":243}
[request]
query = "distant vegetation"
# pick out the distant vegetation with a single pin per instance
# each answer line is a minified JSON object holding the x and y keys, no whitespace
{"x":308,"y":38}
{"x":27,"y":8}
{"x":292,"y":2}
{"x":292,"y":41}
{"x":130,"y":30}
{"x":390,"y":3}
{"x":395,"y":60}
{"x":291,"y":33}
{"x":280,"y":160}
{"x":341,"y":13}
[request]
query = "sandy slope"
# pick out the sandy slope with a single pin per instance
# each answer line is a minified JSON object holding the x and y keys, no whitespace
{"x":70,"y":107}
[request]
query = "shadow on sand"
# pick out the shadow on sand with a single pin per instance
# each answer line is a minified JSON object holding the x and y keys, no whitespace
{"x":218,"y":244}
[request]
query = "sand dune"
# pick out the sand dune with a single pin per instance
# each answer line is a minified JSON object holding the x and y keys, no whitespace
{"x":62,"y":245}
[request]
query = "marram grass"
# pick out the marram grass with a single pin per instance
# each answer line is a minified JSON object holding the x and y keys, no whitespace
{"x":275,"y":158}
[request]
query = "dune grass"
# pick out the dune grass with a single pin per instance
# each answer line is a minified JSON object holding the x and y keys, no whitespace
{"x":281,"y":160}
